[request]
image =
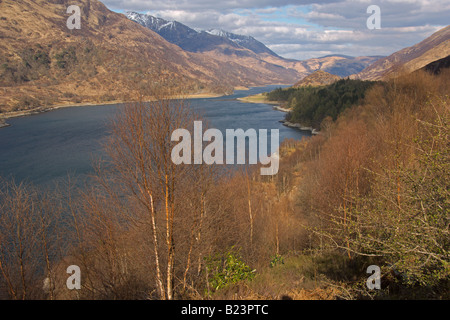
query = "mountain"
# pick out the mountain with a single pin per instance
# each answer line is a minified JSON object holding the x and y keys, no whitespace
{"x":318,"y":78}
{"x":223,"y":44}
{"x":194,"y":40}
{"x":43,"y":63}
{"x":180,"y":34}
{"x":346,"y":65}
{"x":244,"y":41}
{"x":341,"y":66}
{"x":410,"y":59}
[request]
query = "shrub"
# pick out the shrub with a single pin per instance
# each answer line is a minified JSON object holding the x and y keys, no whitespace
{"x":27,"y":102}
{"x":227,"y":269}
{"x":66,"y":58}
{"x":278,"y":259}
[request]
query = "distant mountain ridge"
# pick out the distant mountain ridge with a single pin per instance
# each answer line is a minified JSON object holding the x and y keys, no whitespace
{"x":222,"y":43}
{"x":245,"y":41}
{"x":318,"y":78}
{"x":196,"y":40}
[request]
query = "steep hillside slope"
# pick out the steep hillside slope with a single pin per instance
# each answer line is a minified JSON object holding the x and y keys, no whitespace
{"x":43,"y":63}
{"x":436,"y":67}
{"x":407,"y":60}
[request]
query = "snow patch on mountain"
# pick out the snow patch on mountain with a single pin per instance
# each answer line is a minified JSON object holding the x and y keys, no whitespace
{"x":175,"y":32}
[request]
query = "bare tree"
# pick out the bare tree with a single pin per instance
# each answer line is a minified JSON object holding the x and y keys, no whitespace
{"x":140,"y":150}
{"x":28,"y":241}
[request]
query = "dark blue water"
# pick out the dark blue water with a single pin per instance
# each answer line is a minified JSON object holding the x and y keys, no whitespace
{"x":49,"y":147}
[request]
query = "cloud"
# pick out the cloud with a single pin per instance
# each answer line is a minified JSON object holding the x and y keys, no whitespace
{"x":190,"y":5}
{"x":394,"y":13}
{"x":305,"y":29}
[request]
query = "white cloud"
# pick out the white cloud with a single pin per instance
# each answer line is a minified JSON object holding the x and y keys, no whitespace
{"x":394,"y":13}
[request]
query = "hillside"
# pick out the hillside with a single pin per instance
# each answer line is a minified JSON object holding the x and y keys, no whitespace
{"x":436,"y":67}
{"x":318,"y":78}
{"x":410,"y":59}
{"x":43,"y":63}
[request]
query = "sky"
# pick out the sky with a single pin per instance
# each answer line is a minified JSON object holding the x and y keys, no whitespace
{"x":303,"y":29}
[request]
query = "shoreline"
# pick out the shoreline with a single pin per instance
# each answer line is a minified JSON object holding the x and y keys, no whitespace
{"x":4,"y":125}
{"x":36,"y":111}
{"x":40,"y":110}
{"x":259,"y":98}
{"x":299,"y":127}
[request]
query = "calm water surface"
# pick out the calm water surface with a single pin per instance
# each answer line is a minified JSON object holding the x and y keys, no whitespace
{"x":46,"y":148}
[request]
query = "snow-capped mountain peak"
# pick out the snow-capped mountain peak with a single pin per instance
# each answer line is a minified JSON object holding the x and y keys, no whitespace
{"x":196,"y":39}
{"x":150,"y":21}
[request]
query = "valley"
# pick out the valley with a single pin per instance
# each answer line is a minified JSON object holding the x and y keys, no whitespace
{"x":256,"y":151}
{"x":46,"y":65}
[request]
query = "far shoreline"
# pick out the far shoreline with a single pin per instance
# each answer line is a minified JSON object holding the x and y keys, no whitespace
{"x":259,"y":98}
{"x":36,"y":111}
{"x":41,"y":110}
{"x":4,"y":125}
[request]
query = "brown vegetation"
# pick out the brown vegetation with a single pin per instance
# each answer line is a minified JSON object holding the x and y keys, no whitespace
{"x":382,"y":171}
{"x":371,"y":189}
